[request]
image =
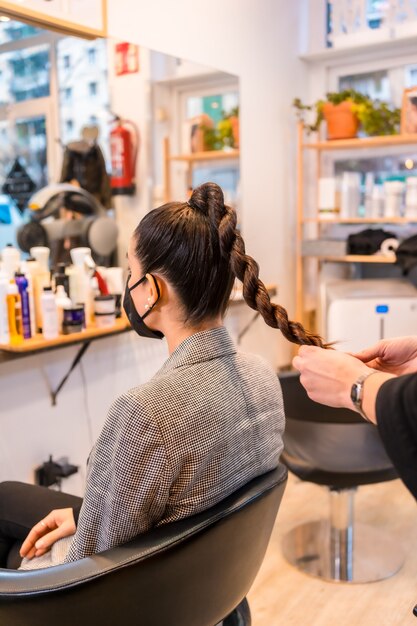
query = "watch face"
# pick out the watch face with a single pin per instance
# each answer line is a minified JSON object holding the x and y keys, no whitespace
{"x":354,"y":393}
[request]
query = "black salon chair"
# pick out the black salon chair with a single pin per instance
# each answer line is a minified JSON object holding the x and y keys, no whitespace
{"x":194,"y":572}
{"x":338,"y":449}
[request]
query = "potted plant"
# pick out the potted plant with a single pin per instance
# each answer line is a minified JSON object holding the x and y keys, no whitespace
{"x":345,"y":111}
{"x":225,"y":135}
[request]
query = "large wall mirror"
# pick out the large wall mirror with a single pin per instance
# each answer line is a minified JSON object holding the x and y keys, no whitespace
{"x":60,"y":92}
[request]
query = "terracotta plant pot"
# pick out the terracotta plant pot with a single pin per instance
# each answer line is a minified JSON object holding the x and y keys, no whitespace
{"x":342,"y":122}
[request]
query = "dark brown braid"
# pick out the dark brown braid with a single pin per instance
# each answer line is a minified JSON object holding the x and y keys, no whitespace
{"x":208,"y":199}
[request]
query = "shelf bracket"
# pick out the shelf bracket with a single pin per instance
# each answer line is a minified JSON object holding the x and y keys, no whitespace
{"x":74,"y":364}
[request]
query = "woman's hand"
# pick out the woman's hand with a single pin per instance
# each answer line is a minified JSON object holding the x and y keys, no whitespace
{"x":58,"y":524}
{"x":394,"y":356}
{"x":328,"y":375}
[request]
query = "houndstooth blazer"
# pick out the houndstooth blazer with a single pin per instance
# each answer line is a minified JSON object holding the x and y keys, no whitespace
{"x":207,"y":423}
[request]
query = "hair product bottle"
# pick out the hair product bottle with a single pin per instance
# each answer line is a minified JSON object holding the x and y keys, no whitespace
{"x":22,"y":285}
{"x":28,"y":268}
{"x":42,"y":279}
{"x":80,"y":288}
{"x":49,"y":314}
{"x":11,"y":260}
{"x":14,"y":311}
{"x":4,"y":318}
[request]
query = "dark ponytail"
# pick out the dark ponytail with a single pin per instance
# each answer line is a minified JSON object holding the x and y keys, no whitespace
{"x":197,"y":248}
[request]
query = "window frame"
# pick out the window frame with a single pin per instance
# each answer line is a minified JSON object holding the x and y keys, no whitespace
{"x":35,"y":107}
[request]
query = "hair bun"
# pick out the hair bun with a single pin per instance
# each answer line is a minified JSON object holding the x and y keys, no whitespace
{"x":209,"y":200}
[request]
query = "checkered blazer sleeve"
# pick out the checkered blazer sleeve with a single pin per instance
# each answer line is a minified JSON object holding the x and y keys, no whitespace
{"x":128,"y":481}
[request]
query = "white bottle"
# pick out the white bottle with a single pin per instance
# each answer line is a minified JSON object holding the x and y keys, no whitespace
{"x":350,"y":195}
{"x":4,"y":318}
{"x":80,"y":288}
{"x":49,"y":314}
{"x":62,"y":302}
{"x":411,"y":198}
{"x":393,"y":190}
{"x":11,"y":260}
{"x":41,"y":280}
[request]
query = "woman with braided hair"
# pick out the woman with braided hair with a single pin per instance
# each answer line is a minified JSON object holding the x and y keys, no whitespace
{"x":208,"y":422}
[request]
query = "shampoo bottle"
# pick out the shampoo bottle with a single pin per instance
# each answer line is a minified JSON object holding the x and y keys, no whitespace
{"x":14,"y":311}
{"x":22,"y":285}
{"x":28,"y":268}
{"x":42,"y":279}
{"x":11,"y":260}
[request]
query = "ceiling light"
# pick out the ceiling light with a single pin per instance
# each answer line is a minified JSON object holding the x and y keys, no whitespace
{"x":409,"y":164}
{"x":4,"y":18}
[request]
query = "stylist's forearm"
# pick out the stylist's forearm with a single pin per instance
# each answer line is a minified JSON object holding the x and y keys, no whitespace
{"x":370,"y":391}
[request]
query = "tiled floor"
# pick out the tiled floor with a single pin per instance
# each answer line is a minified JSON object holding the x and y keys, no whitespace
{"x":281,"y":596}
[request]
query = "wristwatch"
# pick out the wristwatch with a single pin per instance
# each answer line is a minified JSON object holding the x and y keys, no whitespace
{"x":356,"y":393}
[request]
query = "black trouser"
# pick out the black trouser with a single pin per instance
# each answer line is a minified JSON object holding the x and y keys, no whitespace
{"x":21,"y":507}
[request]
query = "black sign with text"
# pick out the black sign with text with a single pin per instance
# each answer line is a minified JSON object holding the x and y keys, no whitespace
{"x":19,"y":185}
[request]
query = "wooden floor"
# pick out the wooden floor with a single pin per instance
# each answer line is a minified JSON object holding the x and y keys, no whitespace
{"x":283,"y":596}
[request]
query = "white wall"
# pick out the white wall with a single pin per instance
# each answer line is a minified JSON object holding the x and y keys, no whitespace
{"x":258,"y":41}
{"x":31,"y":428}
{"x":129,"y":98}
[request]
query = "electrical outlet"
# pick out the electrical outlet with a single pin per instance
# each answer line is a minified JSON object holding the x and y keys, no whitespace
{"x":52,"y":472}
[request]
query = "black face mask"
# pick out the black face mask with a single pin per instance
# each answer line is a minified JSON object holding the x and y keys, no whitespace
{"x":134,"y":318}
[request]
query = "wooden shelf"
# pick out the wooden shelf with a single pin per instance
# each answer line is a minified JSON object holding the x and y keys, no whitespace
{"x":356,"y":258}
{"x":38,"y":343}
{"x":360,"y":220}
{"x":191,"y":160}
{"x":362,"y":142}
{"x":212,"y":155}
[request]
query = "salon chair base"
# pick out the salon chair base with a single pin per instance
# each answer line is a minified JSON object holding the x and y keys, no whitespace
{"x":359,"y":555}
{"x":240,"y":616}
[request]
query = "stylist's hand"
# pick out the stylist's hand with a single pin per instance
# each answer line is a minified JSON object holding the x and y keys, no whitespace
{"x":395,"y":356}
{"x":328,"y":375}
{"x":58,"y":524}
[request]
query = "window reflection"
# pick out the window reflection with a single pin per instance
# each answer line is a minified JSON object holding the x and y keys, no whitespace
{"x":24,"y":74}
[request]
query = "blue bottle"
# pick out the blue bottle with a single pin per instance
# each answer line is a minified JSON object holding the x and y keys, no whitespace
{"x":22,"y":285}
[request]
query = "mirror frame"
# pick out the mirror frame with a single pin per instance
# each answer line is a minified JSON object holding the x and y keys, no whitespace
{"x":41,"y":19}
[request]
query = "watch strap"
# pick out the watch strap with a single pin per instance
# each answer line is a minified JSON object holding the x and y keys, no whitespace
{"x":358,"y":403}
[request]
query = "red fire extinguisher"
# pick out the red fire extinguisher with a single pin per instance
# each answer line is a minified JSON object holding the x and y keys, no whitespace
{"x":124,"y":147}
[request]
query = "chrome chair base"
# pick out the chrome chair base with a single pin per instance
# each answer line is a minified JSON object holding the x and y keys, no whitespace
{"x":357,"y":554}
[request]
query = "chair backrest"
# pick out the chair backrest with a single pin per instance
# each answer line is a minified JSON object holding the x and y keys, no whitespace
{"x":189,"y":573}
{"x":298,"y":406}
{"x":330,"y":446}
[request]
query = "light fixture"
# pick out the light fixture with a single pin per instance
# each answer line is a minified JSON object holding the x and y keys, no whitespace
{"x":409,"y":164}
{"x":4,"y":18}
